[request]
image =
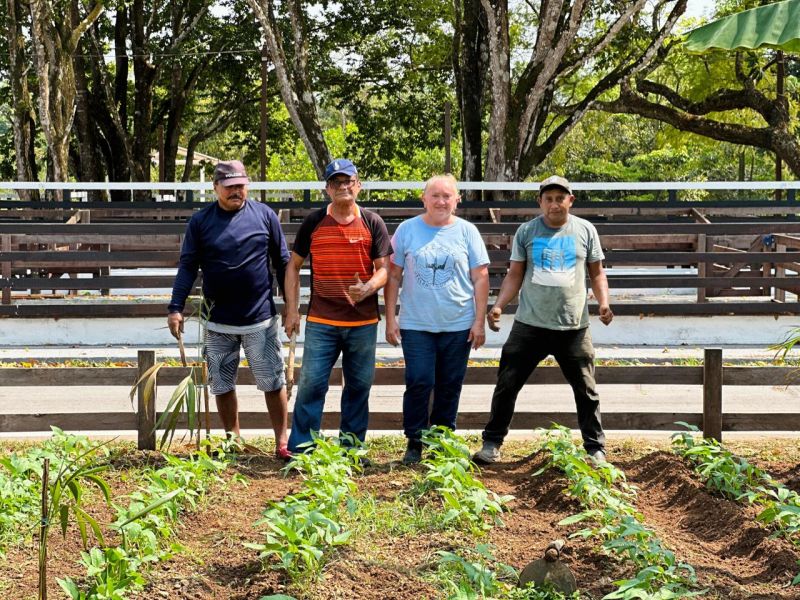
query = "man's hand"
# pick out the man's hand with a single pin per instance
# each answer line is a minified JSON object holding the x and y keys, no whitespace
{"x":493,"y":318}
{"x":392,"y":332}
{"x":477,"y":335}
{"x":358,"y":291}
{"x":606,"y":316}
{"x":175,"y":324}
{"x":291,"y":322}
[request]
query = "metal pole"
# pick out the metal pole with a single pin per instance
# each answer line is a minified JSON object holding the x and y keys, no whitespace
{"x":263,"y":150}
{"x":447,"y":164}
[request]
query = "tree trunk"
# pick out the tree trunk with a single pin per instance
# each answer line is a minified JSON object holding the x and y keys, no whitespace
{"x":470,"y":55}
{"x":86,"y":128}
{"x":293,"y":78}
{"x":144,"y":74}
{"x":22,"y":114}
{"x":55,"y":41}
{"x":526,"y":121}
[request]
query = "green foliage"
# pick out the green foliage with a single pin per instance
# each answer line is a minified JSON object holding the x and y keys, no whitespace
{"x":737,"y":479}
{"x":608,"y":505}
{"x":187,"y":396}
{"x":473,"y":574}
{"x":302,"y":527}
{"x":146,"y":526}
{"x":451,"y":476}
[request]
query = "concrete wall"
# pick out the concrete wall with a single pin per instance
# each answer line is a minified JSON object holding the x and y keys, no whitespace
{"x":634,"y":331}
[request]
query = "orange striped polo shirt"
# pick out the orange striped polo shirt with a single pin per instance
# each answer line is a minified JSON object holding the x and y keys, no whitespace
{"x":338,"y":252}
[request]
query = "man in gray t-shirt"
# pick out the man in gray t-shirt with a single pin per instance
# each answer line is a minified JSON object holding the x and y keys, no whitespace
{"x":550,"y":258}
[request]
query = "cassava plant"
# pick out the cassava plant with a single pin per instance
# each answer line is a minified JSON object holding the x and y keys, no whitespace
{"x":188,"y":394}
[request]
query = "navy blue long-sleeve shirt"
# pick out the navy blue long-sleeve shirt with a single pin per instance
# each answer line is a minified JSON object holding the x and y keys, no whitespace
{"x":234,"y":250}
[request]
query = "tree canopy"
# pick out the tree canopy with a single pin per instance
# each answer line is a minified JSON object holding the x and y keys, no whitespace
{"x":594,"y":89}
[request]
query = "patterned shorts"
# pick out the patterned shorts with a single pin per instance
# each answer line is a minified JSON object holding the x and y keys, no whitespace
{"x":262,"y":350}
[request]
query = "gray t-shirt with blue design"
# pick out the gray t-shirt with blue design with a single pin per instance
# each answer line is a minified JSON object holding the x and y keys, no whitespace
{"x":553,"y":293}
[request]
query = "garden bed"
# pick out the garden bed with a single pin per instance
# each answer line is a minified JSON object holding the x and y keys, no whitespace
{"x":734,"y":556}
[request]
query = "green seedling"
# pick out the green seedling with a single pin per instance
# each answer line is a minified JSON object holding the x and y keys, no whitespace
{"x":304,"y":526}
{"x":735,"y":478}
{"x":607,"y":500}
{"x":450,"y":474}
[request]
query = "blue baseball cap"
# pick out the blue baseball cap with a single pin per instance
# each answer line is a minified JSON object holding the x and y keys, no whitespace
{"x":340,"y":166}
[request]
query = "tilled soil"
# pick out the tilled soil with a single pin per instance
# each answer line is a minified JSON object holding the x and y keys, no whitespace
{"x":734,"y":557}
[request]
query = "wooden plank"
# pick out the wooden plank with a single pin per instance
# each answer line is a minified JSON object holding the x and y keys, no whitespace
{"x":775,"y":376}
{"x":761,"y":422}
{"x":95,"y":283}
{"x":19,"y":257}
{"x":692,"y":258}
{"x":118,"y":242}
{"x":689,"y":281}
{"x":702,"y":268}
{"x":5,"y":269}
{"x":712,"y":393}
{"x":780,"y":272}
{"x":156,"y":309}
{"x":106,"y":229}
{"x":127,"y":376}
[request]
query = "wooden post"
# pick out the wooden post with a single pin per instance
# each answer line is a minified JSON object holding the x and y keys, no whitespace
{"x":447,"y":161}
{"x":712,"y":393}
{"x":263,"y":147}
{"x":780,"y":75}
{"x":780,"y":271}
{"x":145,"y":417}
{"x":5,"y":268}
{"x":702,"y":266}
{"x":43,"y":528}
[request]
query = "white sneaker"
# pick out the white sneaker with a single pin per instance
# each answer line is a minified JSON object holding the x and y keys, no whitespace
{"x":488,"y":454}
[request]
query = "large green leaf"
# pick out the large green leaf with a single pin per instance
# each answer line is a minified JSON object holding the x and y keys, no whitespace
{"x":771,"y":26}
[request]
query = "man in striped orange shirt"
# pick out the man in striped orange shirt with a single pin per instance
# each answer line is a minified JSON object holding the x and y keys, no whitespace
{"x":348,"y":246}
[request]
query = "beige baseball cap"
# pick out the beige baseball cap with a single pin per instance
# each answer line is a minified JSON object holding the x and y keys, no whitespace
{"x":555,"y":181}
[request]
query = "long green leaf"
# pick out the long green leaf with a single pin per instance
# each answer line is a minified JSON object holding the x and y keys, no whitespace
{"x":151,"y":507}
{"x":82,"y":516}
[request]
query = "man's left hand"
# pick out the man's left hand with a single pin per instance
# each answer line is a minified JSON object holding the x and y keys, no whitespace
{"x":359,"y":290}
{"x":606,"y":316}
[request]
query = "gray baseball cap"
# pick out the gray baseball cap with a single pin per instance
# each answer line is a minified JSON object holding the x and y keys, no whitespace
{"x":230,"y":172}
{"x":555,"y":181}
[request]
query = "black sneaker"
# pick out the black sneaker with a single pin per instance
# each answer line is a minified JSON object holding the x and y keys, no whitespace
{"x":413,"y":453}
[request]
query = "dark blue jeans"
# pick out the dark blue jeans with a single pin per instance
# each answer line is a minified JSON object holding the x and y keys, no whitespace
{"x":435,"y":362}
{"x":524,"y":349}
{"x":322,"y":347}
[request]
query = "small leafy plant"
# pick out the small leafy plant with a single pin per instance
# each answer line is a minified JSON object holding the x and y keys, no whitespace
{"x":737,"y":479}
{"x":186,"y":397}
{"x":607,"y":499}
{"x":303,"y":527}
{"x":451,"y":476}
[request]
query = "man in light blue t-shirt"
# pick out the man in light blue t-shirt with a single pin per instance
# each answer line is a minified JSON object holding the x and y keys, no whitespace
{"x":550,"y":258}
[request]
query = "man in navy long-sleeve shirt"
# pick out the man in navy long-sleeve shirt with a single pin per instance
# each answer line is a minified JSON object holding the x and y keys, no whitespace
{"x":234,"y":241}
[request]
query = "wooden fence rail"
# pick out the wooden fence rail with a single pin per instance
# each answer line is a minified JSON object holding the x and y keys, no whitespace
{"x":712,"y":378}
{"x":732,"y":259}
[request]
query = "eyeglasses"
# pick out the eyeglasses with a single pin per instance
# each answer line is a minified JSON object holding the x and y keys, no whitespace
{"x":342,"y":183}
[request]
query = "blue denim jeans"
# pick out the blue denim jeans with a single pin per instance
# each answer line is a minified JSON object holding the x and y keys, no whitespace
{"x":435,"y":362}
{"x":322,"y":347}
